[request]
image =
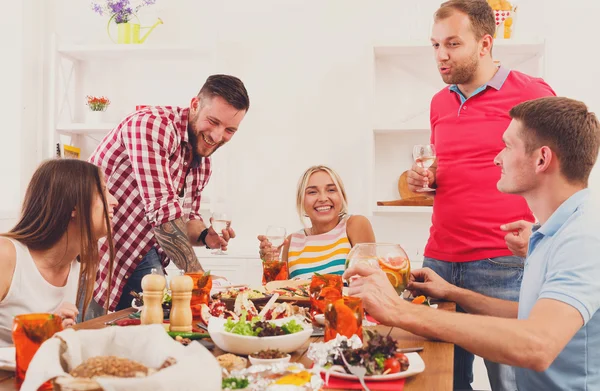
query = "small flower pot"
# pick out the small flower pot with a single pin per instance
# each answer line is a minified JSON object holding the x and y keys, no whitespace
{"x":94,"y":117}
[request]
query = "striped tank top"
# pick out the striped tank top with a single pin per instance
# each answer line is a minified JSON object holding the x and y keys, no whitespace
{"x":324,"y":253}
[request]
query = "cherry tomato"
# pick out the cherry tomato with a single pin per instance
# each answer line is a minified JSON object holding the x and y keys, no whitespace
{"x":403,"y":360}
{"x":392,"y":365}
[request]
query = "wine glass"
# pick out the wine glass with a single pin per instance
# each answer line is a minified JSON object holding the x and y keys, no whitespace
{"x":391,"y":258}
{"x":276,"y":236}
{"x":220,"y":221}
{"x":424,"y":155}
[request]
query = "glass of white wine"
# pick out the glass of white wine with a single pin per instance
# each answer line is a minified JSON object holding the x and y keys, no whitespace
{"x":220,"y":222}
{"x":276,"y":236}
{"x":424,"y":155}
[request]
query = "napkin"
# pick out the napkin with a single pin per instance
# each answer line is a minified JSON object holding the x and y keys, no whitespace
{"x":336,"y":382}
{"x":7,"y":359}
{"x":149,"y":345}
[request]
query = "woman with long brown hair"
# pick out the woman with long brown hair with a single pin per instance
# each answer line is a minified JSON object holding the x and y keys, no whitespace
{"x":50,"y":258}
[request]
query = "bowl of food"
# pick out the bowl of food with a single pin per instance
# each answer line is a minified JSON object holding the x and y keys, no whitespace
{"x":269,"y":356}
{"x":228,"y":297}
{"x":247,"y":337}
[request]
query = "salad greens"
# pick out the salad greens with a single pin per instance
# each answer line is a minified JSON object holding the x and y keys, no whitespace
{"x":234,"y":383}
{"x":371,"y":355}
{"x":258,"y":328}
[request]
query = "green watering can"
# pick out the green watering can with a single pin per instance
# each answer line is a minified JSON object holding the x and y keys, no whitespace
{"x":129,"y":33}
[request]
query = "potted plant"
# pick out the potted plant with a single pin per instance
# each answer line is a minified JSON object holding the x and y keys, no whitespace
{"x":124,"y":15}
{"x":97,"y":106}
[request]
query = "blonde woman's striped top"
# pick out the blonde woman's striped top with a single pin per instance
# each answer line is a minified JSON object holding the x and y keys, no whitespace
{"x":325,"y":253}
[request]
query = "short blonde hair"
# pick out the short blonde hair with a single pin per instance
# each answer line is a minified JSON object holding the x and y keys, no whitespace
{"x":303,"y":182}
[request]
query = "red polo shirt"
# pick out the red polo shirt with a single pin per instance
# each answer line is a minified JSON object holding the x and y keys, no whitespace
{"x":468,"y":208}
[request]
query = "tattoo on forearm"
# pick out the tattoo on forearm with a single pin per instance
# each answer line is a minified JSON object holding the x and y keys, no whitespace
{"x":173,"y":239}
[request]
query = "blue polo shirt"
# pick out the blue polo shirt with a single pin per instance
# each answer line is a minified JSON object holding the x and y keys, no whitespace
{"x":564,"y":264}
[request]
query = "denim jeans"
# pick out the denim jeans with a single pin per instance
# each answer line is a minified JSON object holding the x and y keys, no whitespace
{"x":495,"y":277}
{"x":134,"y":283}
{"x":150,"y":261}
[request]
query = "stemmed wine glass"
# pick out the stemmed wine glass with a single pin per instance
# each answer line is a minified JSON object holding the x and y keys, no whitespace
{"x":276,"y":236}
{"x":424,"y":155}
{"x":220,"y":221}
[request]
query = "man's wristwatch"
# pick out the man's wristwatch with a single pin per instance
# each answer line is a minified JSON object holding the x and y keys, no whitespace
{"x":202,"y":237}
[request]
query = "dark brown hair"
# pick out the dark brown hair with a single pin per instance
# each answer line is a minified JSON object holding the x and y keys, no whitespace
{"x":227,"y":87}
{"x":565,"y":126}
{"x":58,"y":187}
{"x":479,"y":12}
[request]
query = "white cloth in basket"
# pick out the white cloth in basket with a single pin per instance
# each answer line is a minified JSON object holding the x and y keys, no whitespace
{"x":149,"y":345}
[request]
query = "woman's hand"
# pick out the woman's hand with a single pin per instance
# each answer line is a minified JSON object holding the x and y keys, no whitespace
{"x":68,"y":312}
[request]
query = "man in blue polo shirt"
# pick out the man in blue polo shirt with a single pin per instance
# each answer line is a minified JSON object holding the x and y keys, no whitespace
{"x":553,"y":333}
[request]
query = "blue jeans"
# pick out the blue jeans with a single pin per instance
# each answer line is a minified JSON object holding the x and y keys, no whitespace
{"x":134,"y":283}
{"x":495,"y":277}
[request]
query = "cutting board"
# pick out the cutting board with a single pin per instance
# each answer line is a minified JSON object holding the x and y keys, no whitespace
{"x":407,"y":197}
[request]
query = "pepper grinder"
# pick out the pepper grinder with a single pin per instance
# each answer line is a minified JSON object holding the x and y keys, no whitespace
{"x":181,"y":295}
{"x":153,"y":285}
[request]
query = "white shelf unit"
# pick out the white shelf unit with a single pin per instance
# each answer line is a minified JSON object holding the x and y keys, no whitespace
{"x":74,"y":68}
{"x":132,"y":52}
{"x":85,"y":128}
{"x":128,"y":75}
{"x":502,"y":48}
{"x":405,"y":78}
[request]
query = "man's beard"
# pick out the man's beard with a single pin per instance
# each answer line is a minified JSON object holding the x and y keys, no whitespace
{"x":462,"y":74}
{"x":195,"y":139}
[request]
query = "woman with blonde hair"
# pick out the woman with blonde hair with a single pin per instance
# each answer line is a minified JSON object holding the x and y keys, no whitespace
{"x":323,"y":246}
{"x":50,"y":258}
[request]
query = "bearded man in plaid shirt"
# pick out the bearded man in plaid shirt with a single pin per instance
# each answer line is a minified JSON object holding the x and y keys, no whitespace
{"x":156,"y":163}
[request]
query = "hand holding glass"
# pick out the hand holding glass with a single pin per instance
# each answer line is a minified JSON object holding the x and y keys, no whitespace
{"x":220,"y":222}
{"x":273,"y":268}
{"x":424,"y":156}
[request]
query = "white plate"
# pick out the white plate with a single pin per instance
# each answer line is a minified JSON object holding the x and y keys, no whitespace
{"x":7,"y":359}
{"x":416,"y":366}
{"x":242,"y":344}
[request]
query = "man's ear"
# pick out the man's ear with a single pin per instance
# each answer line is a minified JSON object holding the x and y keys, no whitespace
{"x":544,"y":159}
{"x":74,"y":213}
{"x":195,"y":104}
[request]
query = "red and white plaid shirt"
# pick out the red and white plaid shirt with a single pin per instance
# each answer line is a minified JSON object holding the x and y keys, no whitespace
{"x":145,"y":160}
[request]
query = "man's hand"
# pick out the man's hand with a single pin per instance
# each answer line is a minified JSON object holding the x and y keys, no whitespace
{"x":419,"y":177}
{"x":518,"y":235}
{"x":426,"y":282}
{"x":68,"y":312}
{"x":266,"y":248}
{"x":214,"y":240}
{"x":378,"y":296}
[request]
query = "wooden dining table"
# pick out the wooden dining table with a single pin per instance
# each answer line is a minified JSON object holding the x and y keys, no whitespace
{"x":438,"y":356}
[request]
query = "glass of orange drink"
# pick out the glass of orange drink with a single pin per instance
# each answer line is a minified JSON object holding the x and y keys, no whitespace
{"x":343,"y":316}
{"x":390,"y":258}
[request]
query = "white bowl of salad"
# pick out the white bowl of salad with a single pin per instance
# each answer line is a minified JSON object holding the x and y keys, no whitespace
{"x":247,"y":337}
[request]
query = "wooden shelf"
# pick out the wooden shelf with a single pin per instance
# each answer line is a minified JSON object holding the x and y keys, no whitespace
{"x":85,"y":128}
{"x":402,"y":209}
{"x":502,"y":47}
{"x":133,"y":52}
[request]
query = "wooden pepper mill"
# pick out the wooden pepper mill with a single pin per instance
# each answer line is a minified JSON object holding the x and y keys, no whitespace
{"x":181,"y":295}
{"x":153,"y":285}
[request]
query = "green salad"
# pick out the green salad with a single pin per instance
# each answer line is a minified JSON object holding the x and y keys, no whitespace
{"x":258,"y":328}
{"x":234,"y":383}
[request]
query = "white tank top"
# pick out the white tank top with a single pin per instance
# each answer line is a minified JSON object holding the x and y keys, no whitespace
{"x":29,"y":292}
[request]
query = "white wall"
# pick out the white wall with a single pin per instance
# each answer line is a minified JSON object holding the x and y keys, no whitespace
{"x":11,"y":114}
{"x":308,"y":69}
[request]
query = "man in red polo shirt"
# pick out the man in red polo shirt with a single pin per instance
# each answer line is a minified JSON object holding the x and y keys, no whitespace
{"x":466,"y":245}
